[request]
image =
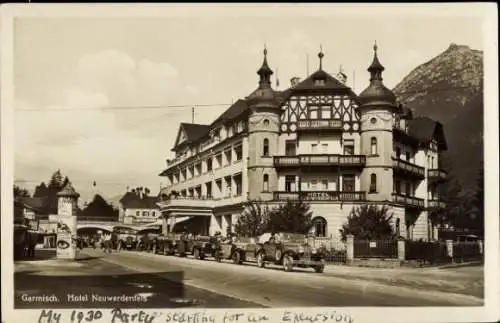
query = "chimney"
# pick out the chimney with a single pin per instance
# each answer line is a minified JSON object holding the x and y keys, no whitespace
{"x":294,"y":81}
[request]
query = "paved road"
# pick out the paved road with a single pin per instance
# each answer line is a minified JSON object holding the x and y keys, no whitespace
{"x":271,"y":287}
{"x":96,"y":279}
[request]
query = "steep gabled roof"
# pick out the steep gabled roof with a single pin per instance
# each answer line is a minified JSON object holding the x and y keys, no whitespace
{"x":133,"y":201}
{"x":331,"y":83}
{"x":191,"y":131}
{"x":425,"y":129}
{"x":235,"y":110}
{"x":37,"y":204}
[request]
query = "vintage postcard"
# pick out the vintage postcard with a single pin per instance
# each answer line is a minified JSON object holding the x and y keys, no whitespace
{"x":249,"y":163}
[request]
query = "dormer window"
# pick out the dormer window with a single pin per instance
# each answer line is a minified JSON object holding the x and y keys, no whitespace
{"x":319,"y":82}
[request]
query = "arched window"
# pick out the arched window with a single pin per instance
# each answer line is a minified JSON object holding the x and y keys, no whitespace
{"x":265,"y":184}
{"x":398,"y":227}
{"x":373,"y":146}
{"x":319,"y":226}
{"x":373,"y":183}
{"x":265,"y":151}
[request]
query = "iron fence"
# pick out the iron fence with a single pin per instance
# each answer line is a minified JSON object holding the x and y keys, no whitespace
{"x":375,"y":248}
{"x":430,"y":252}
{"x":466,"y":251}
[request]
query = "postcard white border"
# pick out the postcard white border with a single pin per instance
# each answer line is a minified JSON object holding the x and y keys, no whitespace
{"x":486,"y":11}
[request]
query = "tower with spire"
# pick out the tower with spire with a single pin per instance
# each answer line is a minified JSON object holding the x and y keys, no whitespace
{"x":376,"y":107}
{"x":263,"y":129}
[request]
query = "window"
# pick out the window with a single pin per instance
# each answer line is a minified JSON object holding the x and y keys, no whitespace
{"x":349,"y":147}
{"x":290,"y":148}
{"x":397,"y":187}
{"x":324,"y":185}
{"x":313,"y":112}
{"x":138,"y":213}
{"x":209,"y":164}
{"x":314,"y":185}
{"x":326,"y":113}
{"x":324,"y":148}
{"x":319,"y":226}
{"x":208,"y":188}
{"x":407,"y":188}
{"x":228,"y":155}
{"x":229,"y":183}
{"x":238,"y":183}
{"x":153,"y":213}
{"x":398,"y":227}
{"x":145,"y":213}
{"x":290,"y":183}
{"x":373,"y":183}
{"x":265,"y":187}
{"x":314,"y":148}
{"x":266,"y":123}
{"x":238,"y":152}
{"x":265,"y":151}
{"x":432,"y":162}
{"x":374,"y":146}
{"x":408,"y":156}
{"x":373,"y":120}
{"x":348,"y":183}
{"x":219,"y":160}
{"x":398,"y":153}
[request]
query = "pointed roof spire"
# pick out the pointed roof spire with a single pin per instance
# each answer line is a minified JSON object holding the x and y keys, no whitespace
{"x":377,"y":94}
{"x":265,"y":72}
{"x":376,"y":68}
{"x":321,"y":55}
{"x":68,"y":191}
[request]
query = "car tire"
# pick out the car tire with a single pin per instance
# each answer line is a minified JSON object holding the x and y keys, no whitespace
{"x":202,"y":256}
{"x":236,"y":258}
{"x":260,"y":260}
{"x":287,"y":263}
{"x":196,"y":253}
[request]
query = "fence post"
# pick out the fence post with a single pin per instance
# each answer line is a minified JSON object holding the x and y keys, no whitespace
{"x":481,"y":246}
{"x":350,"y":248}
{"x":401,"y":250}
{"x":449,"y":248}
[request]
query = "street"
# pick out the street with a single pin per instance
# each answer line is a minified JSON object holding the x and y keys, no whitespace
{"x":165,"y":281}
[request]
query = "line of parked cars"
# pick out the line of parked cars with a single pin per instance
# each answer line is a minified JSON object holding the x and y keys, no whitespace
{"x":288,"y":250}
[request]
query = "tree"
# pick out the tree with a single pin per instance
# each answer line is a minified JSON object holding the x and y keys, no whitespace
{"x":41,"y":190}
{"x":291,"y":217}
{"x":20,"y":192}
{"x":98,"y":207}
{"x":253,"y":221}
{"x":369,"y":222}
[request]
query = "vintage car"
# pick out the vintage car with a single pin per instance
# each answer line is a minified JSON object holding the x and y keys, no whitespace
{"x":238,"y":250}
{"x":289,"y":250}
{"x":202,"y":246}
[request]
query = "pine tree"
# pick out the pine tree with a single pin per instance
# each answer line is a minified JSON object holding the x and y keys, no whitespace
{"x":253,"y":221}
{"x":41,"y":190}
{"x":369,"y":222}
{"x":291,"y":217}
{"x":20,"y":192}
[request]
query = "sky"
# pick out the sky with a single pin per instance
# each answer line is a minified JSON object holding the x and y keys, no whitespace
{"x":66,"y":69}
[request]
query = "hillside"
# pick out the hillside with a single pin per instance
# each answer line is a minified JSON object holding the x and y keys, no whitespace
{"x":449,"y":89}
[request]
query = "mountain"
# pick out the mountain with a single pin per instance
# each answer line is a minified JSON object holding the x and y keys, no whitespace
{"x":449,"y":89}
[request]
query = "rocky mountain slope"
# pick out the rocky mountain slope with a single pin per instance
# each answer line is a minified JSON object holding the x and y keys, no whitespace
{"x":449,"y":89}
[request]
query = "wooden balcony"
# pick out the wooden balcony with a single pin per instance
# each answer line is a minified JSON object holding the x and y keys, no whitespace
{"x":319,"y":196}
{"x":436,"y":175}
{"x":408,"y":169}
{"x":408,"y":201}
{"x":319,"y":160}
{"x":436,"y":204}
{"x":314,"y":125}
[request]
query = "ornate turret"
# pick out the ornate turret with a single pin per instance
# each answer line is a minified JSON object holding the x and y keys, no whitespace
{"x":68,"y":191}
{"x":264,"y":93}
{"x":376,"y":94}
{"x":265,"y":73}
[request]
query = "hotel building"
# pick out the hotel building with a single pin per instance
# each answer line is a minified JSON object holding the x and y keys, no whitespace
{"x":316,"y":141}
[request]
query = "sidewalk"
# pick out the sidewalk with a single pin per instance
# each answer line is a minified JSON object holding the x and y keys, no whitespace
{"x":449,"y":280}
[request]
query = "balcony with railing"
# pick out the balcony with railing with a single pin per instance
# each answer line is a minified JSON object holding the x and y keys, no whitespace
{"x":320,"y":160}
{"x":307,"y":125}
{"x":436,"y":175}
{"x":408,"y":201}
{"x":436,"y":204}
{"x":408,"y":169}
{"x":188,"y":201}
{"x":319,"y":196}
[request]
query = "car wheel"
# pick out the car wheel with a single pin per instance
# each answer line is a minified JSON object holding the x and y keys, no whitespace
{"x":236,"y":258}
{"x":287,"y":263}
{"x":202,"y":256}
{"x":218,"y":256}
{"x":260,"y":260}
{"x":196,"y":253}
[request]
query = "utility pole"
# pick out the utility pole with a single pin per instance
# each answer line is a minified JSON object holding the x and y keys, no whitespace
{"x":192,"y":115}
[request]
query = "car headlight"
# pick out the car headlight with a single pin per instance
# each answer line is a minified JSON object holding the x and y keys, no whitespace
{"x":301,"y":249}
{"x":314,"y":250}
